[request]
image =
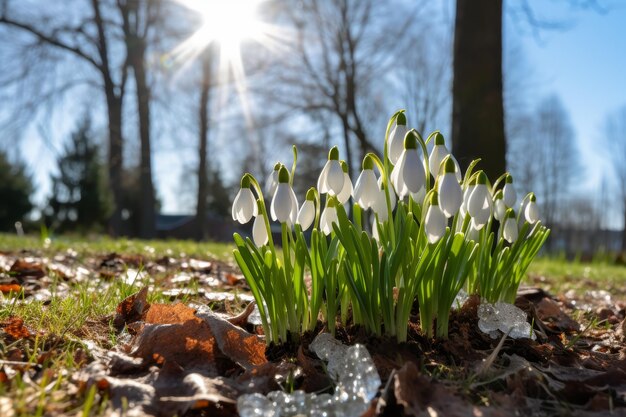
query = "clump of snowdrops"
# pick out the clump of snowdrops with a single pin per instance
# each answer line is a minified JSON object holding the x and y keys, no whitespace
{"x":412,"y":226}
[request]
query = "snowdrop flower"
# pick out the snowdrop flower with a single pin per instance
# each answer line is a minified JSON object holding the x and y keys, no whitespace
{"x":346,"y":191}
{"x":531,"y":213}
{"x":331,"y":178}
{"x":435,"y":222}
{"x":329,"y":216}
{"x":396,"y":139}
{"x":272,"y":180}
{"x":509,"y":229}
{"x":244,"y":205}
{"x":366,"y":188}
{"x":408,"y":175}
{"x":284,"y":206}
{"x":306,"y":215}
{"x":472,"y":232}
{"x":499,"y":206}
{"x":438,"y":154}
{"x":392,"y":194}
{"x":380,"y":205}
{"x":509,"y":192}
{"x":259,"y":231}
{"x":450,"y":193}
{"x":418,"y":197}
{"x":479,"y":203}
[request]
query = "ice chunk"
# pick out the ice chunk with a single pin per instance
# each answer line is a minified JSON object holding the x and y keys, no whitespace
{"x":352,"y":369}
{"x":505,"y":318}
{"x":460,"y":299}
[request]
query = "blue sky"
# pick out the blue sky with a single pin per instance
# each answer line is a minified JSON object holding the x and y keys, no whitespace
{"x":584,"y":64}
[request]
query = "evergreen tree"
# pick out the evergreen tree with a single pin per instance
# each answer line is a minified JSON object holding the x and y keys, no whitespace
{"x":80,"y":199}
{"x":15,"y":189}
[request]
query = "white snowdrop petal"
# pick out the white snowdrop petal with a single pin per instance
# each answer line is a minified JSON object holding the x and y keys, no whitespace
{"x":396,"y":142}
{"x":293,"y":206}
{"x":437,"y":154}
{"x":510,"y":230}
{"x":397,"y":179}
{"x":413,"y":172}
{"x":271,"y":183}
{"x":328,"y":217}
{"x":281,"y":203}
{"x":435,"y":224}
{"x":500,"y":210}
{"x":259,"y":232}
{"x":322,"y":181}
{"x":450,"y":194}
{"x":335,"y":178}
{"x":306,"y":215}
{"x":509,"y":195}
{"x":531,"y":213}
{"x":346,"y":191}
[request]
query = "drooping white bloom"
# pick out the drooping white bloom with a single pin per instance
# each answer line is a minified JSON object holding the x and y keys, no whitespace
{"x":331,"y":178}
{"x":306,"y":215}
{"x":380,"y":206}
{"x":418,"y":197}
{"x":530,"y":211}
{"x":328,"y":217}
{"x":408,"y":175}
{"x":438,"y":153}
{"x":271,"y":182}
{"x":244,"y":205}
{"x":435,"y":222}
{"x":509,"y":229}
{"x":259,"y":231}
{"x":499,"y":208}
{"x":347,"y":189}
{"x":450,"y":193}
{"x":396,"y":139}
{"x":284,"y":206}
{"x":479,"y":203}
{"x":510,"y":196}
{"x":366,"y":188}
{"x":392,"y":195}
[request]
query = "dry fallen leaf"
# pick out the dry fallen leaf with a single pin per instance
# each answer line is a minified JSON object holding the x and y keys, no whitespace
{"x":24,"y":268}
{"x":7,"y":288}
{"x":14,"y":327}
{"x":554,"y":317}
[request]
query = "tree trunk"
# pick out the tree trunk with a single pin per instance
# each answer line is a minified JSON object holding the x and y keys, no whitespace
{"x":203,"y":186}
{"x":147,"y":207}
{"x":478,"y":113}
{"x":115,"y":167}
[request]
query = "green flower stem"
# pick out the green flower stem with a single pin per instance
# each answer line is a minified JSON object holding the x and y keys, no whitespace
{"x":386,"y":185}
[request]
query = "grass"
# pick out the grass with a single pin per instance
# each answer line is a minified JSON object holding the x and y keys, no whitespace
{"x":65,"y":324}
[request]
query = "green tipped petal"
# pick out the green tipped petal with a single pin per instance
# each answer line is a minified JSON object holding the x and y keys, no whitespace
{"x":498,"y":195}
{"x":401,"y":119}
{"x":532,"y":197}
{"x":368,"y":162}
{"x":344,"y":166}
{"x":410,"y":140}
{"x":333,"y":154}
{"x":311,"y":194}
{"x":439,"y":139}
{"x":510,"y":214}
{"x":508,"y":179}
{"x":283,"y":175}
{"x":481,"y":178}
{"x":449,"y":166}
{"x":245,"y":181}
{"x":277,"y":166}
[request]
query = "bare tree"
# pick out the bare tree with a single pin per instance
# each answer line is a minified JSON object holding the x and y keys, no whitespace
{"x":85,"y":37}
{"x":340,"y":55}
{"x":615,"y":132}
